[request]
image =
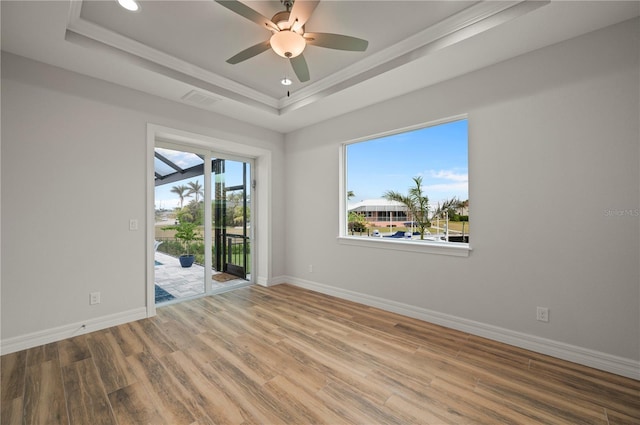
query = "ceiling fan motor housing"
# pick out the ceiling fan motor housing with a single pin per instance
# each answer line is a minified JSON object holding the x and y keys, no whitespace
{"x":281,"y":19}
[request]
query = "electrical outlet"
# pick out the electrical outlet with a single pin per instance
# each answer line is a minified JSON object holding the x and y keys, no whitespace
{"x":133,"y":224}
{"x":542,"y":314}
{"x":94,"y":298}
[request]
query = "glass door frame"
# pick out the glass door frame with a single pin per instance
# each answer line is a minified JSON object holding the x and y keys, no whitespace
{"x":224,"y":254}
{"x":209,"y":155}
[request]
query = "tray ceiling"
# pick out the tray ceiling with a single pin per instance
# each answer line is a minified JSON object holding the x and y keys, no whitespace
{"x":178,"y":49}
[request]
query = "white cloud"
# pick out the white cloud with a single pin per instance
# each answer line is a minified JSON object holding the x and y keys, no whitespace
{"x":447,"y":184}
{"x":450,"y":175}
{"x":447,"y":187}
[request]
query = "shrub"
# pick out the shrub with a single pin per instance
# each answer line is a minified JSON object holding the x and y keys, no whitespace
{"x":357,"y":222}
{"x":355,"y":226}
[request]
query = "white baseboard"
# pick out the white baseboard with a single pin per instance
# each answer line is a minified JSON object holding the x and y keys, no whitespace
{"x":47,"y":336}
{"x":263,"y":281}
{"x":278,"y":280}
{"x":598,"y":360}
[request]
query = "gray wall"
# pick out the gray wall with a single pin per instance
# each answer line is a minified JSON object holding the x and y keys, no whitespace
{"x":73,"y":174}
{"x":554,"y":142}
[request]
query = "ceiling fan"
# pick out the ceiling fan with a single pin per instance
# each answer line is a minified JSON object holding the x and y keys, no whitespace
{"x":288,"y":37}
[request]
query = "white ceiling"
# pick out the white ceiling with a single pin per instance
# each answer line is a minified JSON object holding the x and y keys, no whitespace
{"x":174,"y":48}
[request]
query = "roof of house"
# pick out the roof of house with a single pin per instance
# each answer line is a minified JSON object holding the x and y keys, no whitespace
{"x":377,"y":205}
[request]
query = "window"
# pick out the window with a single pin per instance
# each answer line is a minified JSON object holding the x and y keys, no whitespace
{"x":410,"y":186}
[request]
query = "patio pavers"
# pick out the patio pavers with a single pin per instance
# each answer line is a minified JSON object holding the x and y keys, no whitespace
{"x":185,"y":282}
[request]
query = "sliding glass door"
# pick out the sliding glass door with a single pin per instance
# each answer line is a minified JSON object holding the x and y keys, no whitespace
{"x":230,"y":182}
{"x":203,"y":225}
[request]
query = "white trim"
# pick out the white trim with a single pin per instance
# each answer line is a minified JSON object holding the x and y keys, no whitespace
{"x":208,"y":227}
{"x":273,"y":281}
{"x":393,"y":132}
{"x":427,"y":247}
{"x":278,"y":280}
{"x":59,"y":333}
{"x":151,"y":220}
{"x":584,"y":356}
{"x":342,"y":190}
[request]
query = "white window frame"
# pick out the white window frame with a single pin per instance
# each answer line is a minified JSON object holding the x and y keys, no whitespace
{"x":421,"y":246}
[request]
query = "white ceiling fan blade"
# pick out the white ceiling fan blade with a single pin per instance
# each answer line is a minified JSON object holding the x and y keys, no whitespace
{"x":247,"y":12}
{"x":301,"y":12}
{"x":336,"y":41}
{"x":249,"y":53}
{"x":299,"y":65}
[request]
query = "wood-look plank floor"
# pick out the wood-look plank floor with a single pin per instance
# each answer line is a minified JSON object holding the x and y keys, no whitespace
{"x":284,"y":355}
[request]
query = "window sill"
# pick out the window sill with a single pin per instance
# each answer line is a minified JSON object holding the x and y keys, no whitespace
{"x":427,"y":247}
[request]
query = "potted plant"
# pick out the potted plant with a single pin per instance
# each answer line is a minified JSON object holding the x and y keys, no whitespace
{"x":187,"y":232}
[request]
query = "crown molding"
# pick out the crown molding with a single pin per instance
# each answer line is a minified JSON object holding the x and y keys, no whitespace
{"x":465,"y":24}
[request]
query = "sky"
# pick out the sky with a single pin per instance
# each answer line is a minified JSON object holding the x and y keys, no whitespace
{"x":439,"y":154}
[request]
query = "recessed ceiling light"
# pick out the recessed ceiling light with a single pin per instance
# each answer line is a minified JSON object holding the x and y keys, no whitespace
{"x":286,"y":81}
{"x":131,"y":5}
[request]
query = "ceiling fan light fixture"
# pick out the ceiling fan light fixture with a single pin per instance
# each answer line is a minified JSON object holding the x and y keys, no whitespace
{"x":131,"y":5}
{"x":287,"y":44}
{"x":286,"y":81}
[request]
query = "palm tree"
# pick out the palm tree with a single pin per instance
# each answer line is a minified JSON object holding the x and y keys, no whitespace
{"x":350,"y":194}
{"x":182,"y":191}
{"x":416,"y":202}
{"x":448,"y":210}
{"x":196,"y":188}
